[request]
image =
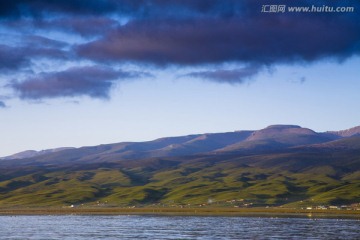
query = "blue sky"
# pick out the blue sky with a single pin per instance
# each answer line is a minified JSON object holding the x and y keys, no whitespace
{"x":112,"y":71}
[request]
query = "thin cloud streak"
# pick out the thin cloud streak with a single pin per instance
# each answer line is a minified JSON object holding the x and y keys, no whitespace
{"x":232,"y":76}
{"x":93,"y":81}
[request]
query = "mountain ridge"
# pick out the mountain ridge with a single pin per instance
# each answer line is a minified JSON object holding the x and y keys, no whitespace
{"x":267,"y":170}
{"x":34,"y":153}
{"x":347,"y":132}
{"x":272,"y":137}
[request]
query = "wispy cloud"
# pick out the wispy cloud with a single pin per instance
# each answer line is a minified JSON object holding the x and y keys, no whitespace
{"x":15,"y":58}
{"x":233,"y":76}
{"x":93,"y":81}
{"x":2,"y":104}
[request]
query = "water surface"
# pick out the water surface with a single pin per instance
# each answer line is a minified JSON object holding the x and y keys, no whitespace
{"x":174,"y":227}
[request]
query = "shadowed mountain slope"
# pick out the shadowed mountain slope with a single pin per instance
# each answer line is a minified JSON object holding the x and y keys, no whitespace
{"x":272,"y":138}
{"x":304,"y":168}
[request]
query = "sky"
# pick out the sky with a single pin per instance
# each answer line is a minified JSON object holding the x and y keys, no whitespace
{"x":79,"y":73}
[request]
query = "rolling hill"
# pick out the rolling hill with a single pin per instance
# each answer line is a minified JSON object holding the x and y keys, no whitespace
{"x":279,"y":165}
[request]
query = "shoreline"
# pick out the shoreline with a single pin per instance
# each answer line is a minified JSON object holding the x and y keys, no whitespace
{"x":239,"y":212}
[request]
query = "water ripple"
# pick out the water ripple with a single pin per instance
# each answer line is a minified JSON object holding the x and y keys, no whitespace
{"x":174,"y":227}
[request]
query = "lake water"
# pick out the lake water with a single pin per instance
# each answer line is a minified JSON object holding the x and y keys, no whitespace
{"x":174,"y":227}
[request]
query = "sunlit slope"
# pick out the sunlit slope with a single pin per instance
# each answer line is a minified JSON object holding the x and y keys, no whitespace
{"x":314,"y":174}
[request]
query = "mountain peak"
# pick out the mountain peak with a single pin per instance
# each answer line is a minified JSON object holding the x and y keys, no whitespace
{"x":274,"y":130}
{"x":282,"y":126}
{"x":286,"y":134}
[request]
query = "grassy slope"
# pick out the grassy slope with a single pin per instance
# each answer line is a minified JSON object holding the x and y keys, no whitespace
{"x":292,"y":179}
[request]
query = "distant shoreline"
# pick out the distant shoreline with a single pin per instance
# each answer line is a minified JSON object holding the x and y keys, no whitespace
{"x":250,"y":212}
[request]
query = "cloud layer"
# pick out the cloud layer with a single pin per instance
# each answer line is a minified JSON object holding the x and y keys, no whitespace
{"x":262,"y":40}
{"x":161,"y":33}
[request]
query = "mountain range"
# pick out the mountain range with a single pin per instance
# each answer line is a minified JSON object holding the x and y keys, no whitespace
{"x":271,"y":138}
{"x":277,"y":165}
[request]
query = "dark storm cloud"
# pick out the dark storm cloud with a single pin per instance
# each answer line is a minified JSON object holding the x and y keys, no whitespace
{"x":241,"y":34}
{"x":93,"y":81}
{"x":228,"y":76}
{"x":192,"y":32}
{"x":261,"y":40}
{"x":189,"y":32}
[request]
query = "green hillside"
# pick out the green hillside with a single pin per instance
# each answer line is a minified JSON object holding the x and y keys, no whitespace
{"x":279,"y":165}
{"x":291,"y":177}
